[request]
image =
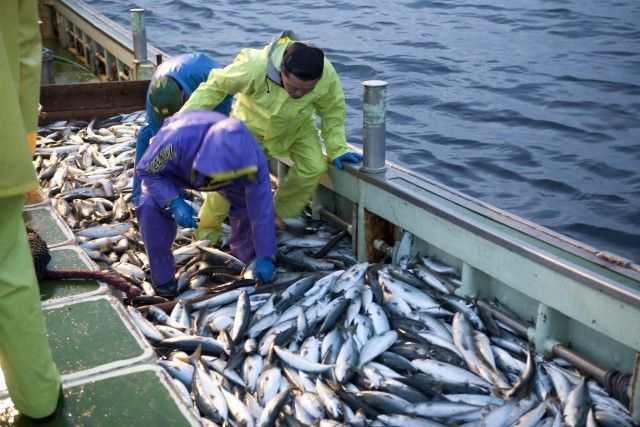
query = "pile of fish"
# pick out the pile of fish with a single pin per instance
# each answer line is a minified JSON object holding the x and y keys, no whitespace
{"x":333,"y":342}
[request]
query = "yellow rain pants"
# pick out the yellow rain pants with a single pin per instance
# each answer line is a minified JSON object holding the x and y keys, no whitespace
{"x":30,"y":373}
{"x":25,"y":357}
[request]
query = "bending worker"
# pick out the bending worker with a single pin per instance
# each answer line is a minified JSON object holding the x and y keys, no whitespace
{"x":207,"y":151}
{"x":280,"y":90}
{"x":30,"y":373}
{"x":171,"y":85}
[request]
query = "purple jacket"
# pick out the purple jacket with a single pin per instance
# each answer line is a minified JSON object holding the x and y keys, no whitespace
{"x":194,"y":148}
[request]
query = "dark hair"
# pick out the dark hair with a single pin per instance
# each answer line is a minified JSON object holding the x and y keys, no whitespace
{"x":304,"y":61}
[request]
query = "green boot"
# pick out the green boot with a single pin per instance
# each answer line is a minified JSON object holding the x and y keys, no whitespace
{"x":212,"y":234}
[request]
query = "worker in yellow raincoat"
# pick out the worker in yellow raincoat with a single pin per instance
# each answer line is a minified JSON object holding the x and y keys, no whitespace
{"x":280,"y":89}
{"x":31,"y":376}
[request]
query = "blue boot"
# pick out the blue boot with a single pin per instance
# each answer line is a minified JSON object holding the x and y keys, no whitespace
{"x":167,"y":290}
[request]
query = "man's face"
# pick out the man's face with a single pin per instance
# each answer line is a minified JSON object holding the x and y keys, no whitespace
{"x":295,"y":87}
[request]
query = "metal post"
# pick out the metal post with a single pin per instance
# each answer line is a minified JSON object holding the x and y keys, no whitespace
{"x":120,"y":71}
{"x":109,"y":60}
{"x":471,"y":280}
{"x":548,"y":323}
{"x":635,"y":391}
{"x":86,"y":49}
{"x":374,"y":116}
{"x":63,"y":31}
{"x":47,"y":72}
{"x":139,"y":34}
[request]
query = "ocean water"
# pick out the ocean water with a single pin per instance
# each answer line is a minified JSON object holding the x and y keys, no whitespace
{"x":531,"y":106}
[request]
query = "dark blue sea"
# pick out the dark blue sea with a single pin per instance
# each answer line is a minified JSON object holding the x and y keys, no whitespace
{"x":532,"y":106}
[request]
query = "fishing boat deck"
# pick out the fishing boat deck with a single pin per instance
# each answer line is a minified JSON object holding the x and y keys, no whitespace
{"x":104,"y":361}
{"x":571,"y":294}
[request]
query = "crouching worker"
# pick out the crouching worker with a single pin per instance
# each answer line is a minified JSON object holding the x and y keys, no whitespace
{"x":204,"y":150}
{"x":171,"y":85}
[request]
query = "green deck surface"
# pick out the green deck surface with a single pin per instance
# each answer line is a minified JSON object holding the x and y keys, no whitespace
{"x":47,"y":223}
{"x":88,"y":334}
{"x":134,"y":399}
{"x":66,"y":258}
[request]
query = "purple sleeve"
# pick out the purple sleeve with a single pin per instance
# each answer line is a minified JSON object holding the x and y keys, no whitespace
{"x":162,"y":188}
{"x":260,"y":210}
{"x":156,"y":170}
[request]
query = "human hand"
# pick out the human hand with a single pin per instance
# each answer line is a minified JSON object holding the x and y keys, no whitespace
{"x":350,"y":157}
{"x":184,"y":214}
{"x":264,"y":269}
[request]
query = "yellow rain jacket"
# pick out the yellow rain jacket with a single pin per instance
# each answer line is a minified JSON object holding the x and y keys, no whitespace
{"x":20,"y":58}
{"x":283,"y":126}
{"x":274,"y":118}
{"x":31,"y":375}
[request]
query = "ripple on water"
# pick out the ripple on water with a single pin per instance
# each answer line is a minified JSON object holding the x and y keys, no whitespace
{"x":605,"y":170}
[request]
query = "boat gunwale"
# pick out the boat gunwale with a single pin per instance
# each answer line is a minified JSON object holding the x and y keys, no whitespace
{"x":589,"y":278}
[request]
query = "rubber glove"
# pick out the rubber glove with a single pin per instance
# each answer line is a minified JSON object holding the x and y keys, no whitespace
{"x":349,"y":157}
{"x":264,"y":269}
{"x":183,"y":213}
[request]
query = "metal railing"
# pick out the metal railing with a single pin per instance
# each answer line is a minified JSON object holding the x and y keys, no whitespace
{"x":109,"y":50}
{"x":563,"y":286}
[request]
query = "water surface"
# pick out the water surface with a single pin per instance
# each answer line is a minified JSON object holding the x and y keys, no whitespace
{"x":532,"y":106}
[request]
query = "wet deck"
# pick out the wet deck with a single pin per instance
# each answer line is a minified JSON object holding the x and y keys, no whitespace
{"x":104,"y":361}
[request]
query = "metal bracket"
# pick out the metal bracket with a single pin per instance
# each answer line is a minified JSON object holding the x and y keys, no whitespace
{"x":400,"y":251}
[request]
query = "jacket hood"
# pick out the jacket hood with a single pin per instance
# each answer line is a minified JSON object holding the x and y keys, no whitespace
{"x":228,"y":148}
{"x":278,"y":45}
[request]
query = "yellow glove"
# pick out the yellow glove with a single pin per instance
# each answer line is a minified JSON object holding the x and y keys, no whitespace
{"x":31,"y":140}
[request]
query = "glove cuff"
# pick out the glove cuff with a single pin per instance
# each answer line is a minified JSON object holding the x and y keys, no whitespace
{"x":172,"y":201}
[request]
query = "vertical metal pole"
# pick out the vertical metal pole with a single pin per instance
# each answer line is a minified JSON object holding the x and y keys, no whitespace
{"x":139,"y":34}
{"x":63,"y":31}
{"x":86,"y":50}
{"x":635,"y":390}
{"x":109,"y":59}
{"x":374,"y":128}
{"x":120,"y":70}
{"x":548,"y":322}
{"x":95,"y":62}
{"x":47,"y":73}
{"x":470,"y":281}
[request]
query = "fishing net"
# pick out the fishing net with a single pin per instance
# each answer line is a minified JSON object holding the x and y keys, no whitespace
{"x":42,"y":257}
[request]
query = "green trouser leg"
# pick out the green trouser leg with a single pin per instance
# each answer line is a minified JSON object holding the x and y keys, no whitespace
{"x":303,"y":177}
{"x":212,"y":214}
{"x":30,"y":373}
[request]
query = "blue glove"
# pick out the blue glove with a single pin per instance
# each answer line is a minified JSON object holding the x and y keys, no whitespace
{"x":349,"y":157}
{"x":183,"y":213}
{"x":264,"y":269}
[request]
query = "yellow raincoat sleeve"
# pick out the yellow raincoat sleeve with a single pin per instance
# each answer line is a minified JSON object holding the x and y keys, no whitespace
{"x":30,"y":62}
{"x":237,"y":77}
{"x":331,"y":109}
{"x":20,"y":53}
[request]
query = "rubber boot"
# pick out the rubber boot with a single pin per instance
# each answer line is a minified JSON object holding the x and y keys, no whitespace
{"x":167,"y":290}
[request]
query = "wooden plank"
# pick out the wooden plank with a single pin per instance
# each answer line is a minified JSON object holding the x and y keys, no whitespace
{"x":88,"y":101}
